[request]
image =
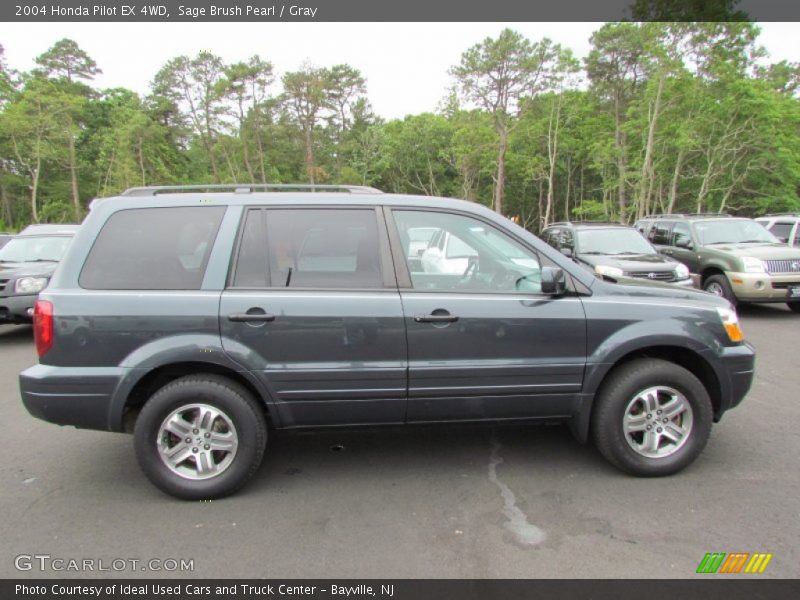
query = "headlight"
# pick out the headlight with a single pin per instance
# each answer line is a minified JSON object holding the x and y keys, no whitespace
{"x":753,"y":265}
{"x":730,"y":321}
{"x":607,"y":271}
{"x":682,"y":271}
{"x":30,"y":285}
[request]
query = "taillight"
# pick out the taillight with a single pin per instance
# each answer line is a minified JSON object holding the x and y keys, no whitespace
{"x":43,"y":326}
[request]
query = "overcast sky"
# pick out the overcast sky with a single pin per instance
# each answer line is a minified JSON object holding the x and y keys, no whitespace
{"x":405,"y":64}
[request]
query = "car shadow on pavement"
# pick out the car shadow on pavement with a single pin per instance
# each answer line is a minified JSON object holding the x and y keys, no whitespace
{"x":766,"y":311}
{"x":16,"y":332}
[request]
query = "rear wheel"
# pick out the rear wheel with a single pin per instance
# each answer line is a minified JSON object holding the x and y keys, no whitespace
{"x":651,"y":418}
{"x":720,"y":286}
{"x":200,"y":437}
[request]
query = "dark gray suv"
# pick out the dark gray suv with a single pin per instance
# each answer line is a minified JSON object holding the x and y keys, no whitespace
{"x":200,"y":318}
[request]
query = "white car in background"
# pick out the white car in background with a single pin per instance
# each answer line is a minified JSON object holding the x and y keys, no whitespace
{"x":449,"y":254}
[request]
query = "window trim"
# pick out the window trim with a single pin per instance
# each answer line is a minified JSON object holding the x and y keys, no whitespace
{"x":388,"y":278}
{"x":404,"y":276}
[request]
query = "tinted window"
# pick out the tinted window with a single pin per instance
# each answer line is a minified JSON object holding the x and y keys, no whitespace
{"x":550,"y":236}
{"x":681,"y":232}
{"x":325,"y":248}
{"x":153,"y":249}
{"x":782,"y":231}
{"x":488,"y":260}
{"x":660,"y":233}
{"x":567,"y":239}
{"x":251,"y":266}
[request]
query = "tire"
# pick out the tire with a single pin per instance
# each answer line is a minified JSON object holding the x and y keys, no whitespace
{"x":720,"y":286}
{"x":223,"y":450}
{"x":619,"y":401}
{"x":794,"y":306}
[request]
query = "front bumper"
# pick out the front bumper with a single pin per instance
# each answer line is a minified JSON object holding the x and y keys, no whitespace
{"x":684,"y":283}
{"x":735,"y":367}
{"x":762,"y":287}
{"x":17,"y":309}
{"x":77,"y":396}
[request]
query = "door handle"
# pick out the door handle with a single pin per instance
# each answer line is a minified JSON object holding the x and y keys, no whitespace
{"x":670,"y":252}
{"x":245,"y":317}
{"x":435,"y":318}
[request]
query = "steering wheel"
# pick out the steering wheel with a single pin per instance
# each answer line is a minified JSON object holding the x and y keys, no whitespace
{"x":471,"y":271}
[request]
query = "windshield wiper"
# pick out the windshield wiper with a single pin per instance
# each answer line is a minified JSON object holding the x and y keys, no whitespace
{"x":755,"y":242}
{"x":716,"y":243}
{"x":42,"y":260}
{"x":596,"y":252}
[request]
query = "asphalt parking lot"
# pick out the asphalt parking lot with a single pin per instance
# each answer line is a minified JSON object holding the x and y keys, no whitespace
{"x":428,"y":502}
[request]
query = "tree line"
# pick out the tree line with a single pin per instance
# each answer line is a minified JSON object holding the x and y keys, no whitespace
{"x":659,"y":117}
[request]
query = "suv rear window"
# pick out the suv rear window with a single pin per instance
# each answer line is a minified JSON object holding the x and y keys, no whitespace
{"x":153,"y":249}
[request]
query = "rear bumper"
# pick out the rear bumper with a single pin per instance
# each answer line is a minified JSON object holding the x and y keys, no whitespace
{"x":76,"y":396}
{"x":17,"y":309}
{"x":762,"y":287}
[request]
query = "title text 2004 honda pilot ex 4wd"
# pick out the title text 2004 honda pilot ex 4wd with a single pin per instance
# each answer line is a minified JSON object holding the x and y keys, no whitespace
{"x":199,"y":318}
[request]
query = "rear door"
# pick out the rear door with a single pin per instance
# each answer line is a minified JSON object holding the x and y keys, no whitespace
{"x":484,"y":343}
{"x":313,"y":310}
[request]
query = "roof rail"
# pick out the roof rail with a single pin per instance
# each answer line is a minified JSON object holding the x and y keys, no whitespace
{"x":684,"y":215}
{"x":788,"y":214}
{"x":573,"y":223}
{"x":247,"y":188}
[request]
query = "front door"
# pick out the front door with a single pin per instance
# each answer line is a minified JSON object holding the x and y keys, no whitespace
{"x":313,"y":310}
{"x":483,"y":342}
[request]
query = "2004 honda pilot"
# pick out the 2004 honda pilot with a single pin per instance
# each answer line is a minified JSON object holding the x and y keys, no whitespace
{"x":201,"y":317}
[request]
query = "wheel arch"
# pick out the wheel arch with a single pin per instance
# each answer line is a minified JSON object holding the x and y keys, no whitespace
{"x":129,"y":403}
{"x":689,"y":359}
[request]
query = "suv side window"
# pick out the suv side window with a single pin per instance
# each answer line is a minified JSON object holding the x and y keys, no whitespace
{"x":680,"y":231}
{"x":153,"y":249}
{"x":660,"y":233}
{"x":567,"y":239}
{"x":550,"y":237}
{"x":323,"y":248}
{"x":782,"y":231}
{"x":496,"y":263}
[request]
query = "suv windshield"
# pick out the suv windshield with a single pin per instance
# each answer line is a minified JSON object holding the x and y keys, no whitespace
{"x":33,"y":249}
{"x":732,"y":231}
{"x":612,"y":241}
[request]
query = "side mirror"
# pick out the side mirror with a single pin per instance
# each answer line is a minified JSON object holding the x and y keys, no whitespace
{"x":684,"y":243}
{"x":554,"y":283}
{"x":567,"y":252}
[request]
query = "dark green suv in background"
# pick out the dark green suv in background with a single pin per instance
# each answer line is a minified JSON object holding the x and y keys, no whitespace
{"x":732,"y":257}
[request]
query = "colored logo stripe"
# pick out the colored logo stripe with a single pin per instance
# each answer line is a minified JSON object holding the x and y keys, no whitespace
{"x":758,"y":563}
{"x":711,"y":562}
{"x":734,"y":562}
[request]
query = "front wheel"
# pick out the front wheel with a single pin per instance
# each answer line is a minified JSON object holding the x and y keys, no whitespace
{"x":720,"y":286}
{"x":794,"y":306}
{"x":200,"y":437}
{"x":651,"y":418}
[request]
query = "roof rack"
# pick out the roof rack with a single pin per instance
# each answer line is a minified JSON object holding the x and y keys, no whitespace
{"x":247,"y":188}
{"x":684,"y":215}
{"x":571,"y":223}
